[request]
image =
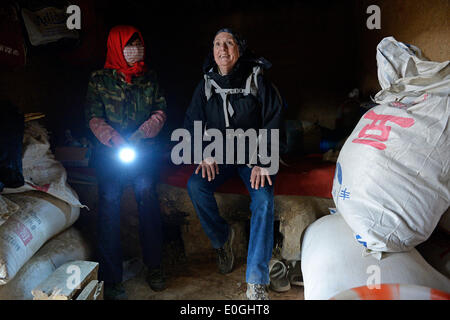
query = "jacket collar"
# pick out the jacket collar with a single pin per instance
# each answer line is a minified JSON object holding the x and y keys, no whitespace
{"x":238,"y":74}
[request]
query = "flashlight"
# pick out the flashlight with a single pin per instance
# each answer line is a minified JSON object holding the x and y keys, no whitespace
{"x":127,"y":154}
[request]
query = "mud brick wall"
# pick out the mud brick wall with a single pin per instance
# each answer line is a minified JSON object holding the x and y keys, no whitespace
{"x":303,"y":40}
{"x":294,"y":213}
{"x":424,"y":24}
{"x":320,"y":51}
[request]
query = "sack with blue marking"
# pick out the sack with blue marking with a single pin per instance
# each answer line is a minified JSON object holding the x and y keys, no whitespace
{"x":392,"y":176}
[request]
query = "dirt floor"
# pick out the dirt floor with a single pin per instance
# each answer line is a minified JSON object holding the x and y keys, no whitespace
{"x":199,"y":280}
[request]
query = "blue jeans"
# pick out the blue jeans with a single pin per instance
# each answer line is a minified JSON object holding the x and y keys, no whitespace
{"x":112,"y":178}
{"x":201,"y":192}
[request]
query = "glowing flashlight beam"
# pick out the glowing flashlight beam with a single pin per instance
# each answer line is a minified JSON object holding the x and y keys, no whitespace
{"x":127,"y":155}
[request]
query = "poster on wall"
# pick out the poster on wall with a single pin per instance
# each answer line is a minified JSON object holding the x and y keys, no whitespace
{"x":12,"y":47}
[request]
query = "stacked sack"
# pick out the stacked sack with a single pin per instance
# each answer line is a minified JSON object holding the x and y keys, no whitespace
{"x":392,"y":181}
{"x":34,"y":213}
{"x":391,"y":188}
{"x":332,"y":264}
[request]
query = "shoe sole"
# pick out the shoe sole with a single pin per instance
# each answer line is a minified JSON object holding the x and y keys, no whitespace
{"x":249,"y":298}
{"x":280,"y":289}
{"x":231,"y":248}
{"x":158,"y":289}
{"x":232,"y":253}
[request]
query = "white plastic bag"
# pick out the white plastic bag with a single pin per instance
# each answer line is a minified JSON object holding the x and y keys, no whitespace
{"x":47,"y":24}
{"x":392,"y":181}
{"x":40,"y":170}
{"x":404,"y":74}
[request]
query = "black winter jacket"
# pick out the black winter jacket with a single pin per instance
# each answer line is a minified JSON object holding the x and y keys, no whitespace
{"x":265,"y":111}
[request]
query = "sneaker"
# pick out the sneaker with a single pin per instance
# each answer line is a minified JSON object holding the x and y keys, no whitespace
{"x":156,"y":279}
{"x":257,"y":292}
{"x":225,"y":257}
{"x":294,"y":273}
{"x":115,"y":292}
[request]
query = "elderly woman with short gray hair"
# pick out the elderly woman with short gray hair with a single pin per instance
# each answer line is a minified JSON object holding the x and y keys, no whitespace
{"x":235,"y":94}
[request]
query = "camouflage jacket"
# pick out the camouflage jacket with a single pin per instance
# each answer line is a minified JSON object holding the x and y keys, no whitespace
{"x":124,"y":106}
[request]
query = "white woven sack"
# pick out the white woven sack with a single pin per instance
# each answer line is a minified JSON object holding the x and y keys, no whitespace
{"x":40,"y":217}
{"x":392,"y":181}
{"x":332,"y":263}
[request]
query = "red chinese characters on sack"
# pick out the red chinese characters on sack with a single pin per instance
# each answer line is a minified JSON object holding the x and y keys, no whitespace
{"x":43,"y":188}
{"x":382,"y":127}
{"x":22,"y":232}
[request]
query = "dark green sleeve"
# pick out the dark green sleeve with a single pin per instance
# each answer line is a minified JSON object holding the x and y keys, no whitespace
{"x":159,"y":101}
{"x":94,"y":106}
{"x":154,"y":95}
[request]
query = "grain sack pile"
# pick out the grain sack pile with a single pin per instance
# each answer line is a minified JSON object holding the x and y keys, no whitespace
{"x":392,"y":181}
{"x":332,"y":263}
{"x":40,"y":169}
{"x":68,"y":245}
{"x":34,"y":213}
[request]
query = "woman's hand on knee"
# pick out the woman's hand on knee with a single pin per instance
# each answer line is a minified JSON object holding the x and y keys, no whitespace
{"x":258,"y":177}
{"x":209,"y":168}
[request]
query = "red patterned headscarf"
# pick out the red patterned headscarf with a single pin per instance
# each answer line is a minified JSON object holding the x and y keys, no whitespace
{"x":117,"y":39}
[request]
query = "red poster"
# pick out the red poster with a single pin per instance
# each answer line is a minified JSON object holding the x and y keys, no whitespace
{"x":22,"y":232}
{"x":12,"y":47}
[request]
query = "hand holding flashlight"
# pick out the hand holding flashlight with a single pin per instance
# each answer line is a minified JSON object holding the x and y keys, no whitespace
{"x":117,"y":140}
{"x":127,"y":151}
{"x":136,"y":137}
{"x":127,"y":154}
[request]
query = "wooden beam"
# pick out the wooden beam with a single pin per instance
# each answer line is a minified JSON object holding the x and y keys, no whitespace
{"x":98,"y":295}
{"x":67,"y":281}
{"x":88,"y":291}
{"x":92,"y":291}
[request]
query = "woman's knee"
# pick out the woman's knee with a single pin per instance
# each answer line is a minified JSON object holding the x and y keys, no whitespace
{"x":145,"y":185}
{"x":110,"y":194}
{"x":262,"y":197}
{"x":196,"y":184}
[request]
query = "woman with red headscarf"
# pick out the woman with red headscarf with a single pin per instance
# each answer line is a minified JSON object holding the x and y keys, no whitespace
{"x":126,"y":110}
